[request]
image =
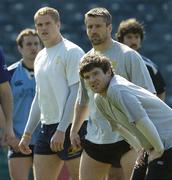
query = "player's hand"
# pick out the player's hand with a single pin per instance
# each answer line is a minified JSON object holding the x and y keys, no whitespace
{"x":57,"y":141}
{"x":13,"y":142}
{"x":154,"y":155}
{"x":24,"y":145}
{"x":140,"y":161}
{"x":75,"y":140}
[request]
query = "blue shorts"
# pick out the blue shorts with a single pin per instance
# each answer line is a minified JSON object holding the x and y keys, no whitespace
{"x":13,"y":154}
{"x":42,"y":146}
{"x":106,"y":153}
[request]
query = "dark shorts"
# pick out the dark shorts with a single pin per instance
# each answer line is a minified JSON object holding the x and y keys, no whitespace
{"x":158,"y":169}
{"x":106,"y":153}
{"x":13,"y":154}
{"x":43,"y":142}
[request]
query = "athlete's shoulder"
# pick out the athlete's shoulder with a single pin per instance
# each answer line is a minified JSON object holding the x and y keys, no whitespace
{"x":90,"y":52}
{"x":125,"y":51}
{"x":150,"y":64}
{"x":13,"y":67}
{"x":148,"y":61}
{"x":69,"y":45}
{"x":116,"y":84}
{"x":41,"y":53}
{"x":121,"y":47}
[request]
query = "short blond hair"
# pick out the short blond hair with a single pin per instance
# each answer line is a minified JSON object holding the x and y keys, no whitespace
{"x":48,"y":10}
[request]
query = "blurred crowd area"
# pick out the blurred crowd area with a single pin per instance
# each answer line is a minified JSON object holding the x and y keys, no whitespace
{"x":155,"y":15}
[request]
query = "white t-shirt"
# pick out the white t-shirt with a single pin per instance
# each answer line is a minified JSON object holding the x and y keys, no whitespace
{"x":56,"y":68}
{"x":127,"y":63}
{"x":126,"y":103}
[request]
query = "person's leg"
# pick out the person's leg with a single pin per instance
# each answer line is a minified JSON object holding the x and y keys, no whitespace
{"x":115,"y":174}
{"x":70,"y":156}
{"x":118,"y":150}
{"x":107,"y":153}
{"x":73,"y":168}
{"x":19,"y":167}
{"x":64,"y":173}
{"x":127,"y":163}
{"x":47,"y":164}
{"x":92,"y":169}
{"x":47,"y":167}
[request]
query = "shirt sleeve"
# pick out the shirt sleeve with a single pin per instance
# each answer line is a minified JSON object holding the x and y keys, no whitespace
{"x":100,"y":104}
{"x":137,"y":71}
{"x":130,"y":138}
{"x":69,"y":109}
{"x":127,"y":104}
{"x":82,"y":96}
{"x":34,"y":116}
{"x":72,"y":65}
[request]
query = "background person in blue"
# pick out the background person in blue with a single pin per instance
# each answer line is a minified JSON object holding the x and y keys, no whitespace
{"x":23,"y":89}
{"x":5,"y":103}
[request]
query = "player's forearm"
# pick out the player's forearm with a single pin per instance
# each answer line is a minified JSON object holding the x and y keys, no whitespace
{"x":68,"y":109}
{"x":147,"y":128}
{"x":132,"y":140}
{"x":80,"y":114}
{"x":34,"y":117}
{"x":6,"y":101}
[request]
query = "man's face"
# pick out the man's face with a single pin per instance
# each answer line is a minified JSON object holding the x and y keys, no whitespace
{"x":97,"y":30}
{"x":97,"y":80}
{"x":132,"y":40}
{"x":47,"y":28}
{"x":31,"y":47}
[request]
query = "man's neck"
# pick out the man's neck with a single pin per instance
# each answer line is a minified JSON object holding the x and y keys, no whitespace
{"x":29,"y":64}
{"x":53,"y":43}
{"x":104,"y":93}
{"x":104,"y":46}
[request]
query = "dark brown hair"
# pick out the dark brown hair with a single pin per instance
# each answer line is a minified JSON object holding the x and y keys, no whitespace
{"x":99,"y":12}
{"x":129,"y":26}
{"x":92,"y":61}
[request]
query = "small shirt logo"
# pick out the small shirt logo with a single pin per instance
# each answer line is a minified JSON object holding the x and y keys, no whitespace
{"x":72,"y":150}
{"x":114,"y":63}
{"x":160,"y":162}
{"x":18,"y":83}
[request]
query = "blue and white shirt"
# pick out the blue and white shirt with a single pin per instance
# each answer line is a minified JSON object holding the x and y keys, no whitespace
{"x":23,"y":89}
{"x":156,"y":75}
